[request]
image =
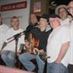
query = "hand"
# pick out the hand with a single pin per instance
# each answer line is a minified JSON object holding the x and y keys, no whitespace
{"x":35,"y":50}
{"x":57,"y":61}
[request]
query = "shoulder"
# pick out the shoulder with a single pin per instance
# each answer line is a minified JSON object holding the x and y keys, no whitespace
{"x":4,"y":25}
{"x":10,"y":30}
{"x":64,"y":28}
{"x":62,"y":31}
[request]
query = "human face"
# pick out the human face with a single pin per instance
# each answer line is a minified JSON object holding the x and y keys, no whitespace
{"x":33,"y":19}
{"x":54,"y":22}
{"x":63,"y":13}
{"x":43,"y":22}
{"x":15,"y":23}
{"x":70,"y":7}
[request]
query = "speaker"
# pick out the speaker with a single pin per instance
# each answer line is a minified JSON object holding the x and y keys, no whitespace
{"x":4,"y":69}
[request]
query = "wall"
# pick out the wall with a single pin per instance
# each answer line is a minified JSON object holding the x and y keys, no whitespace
{"x":22,"y":13}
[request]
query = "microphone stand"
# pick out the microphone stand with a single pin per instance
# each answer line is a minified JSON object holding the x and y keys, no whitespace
{"x":17,"y":63}
{"x":16,"y":47}
{"x":16,"y":43}
{"x":15,"y":37}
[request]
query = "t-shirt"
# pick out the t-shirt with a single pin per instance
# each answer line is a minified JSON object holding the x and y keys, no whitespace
{"x":57,"y":38}
{"x":66,"y":22}
{"x":11,"y":45}
{"x":42,"y":36}
{"x":28,"y":29}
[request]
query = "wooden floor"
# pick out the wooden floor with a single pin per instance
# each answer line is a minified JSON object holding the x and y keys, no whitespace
{"x":4,"y":69}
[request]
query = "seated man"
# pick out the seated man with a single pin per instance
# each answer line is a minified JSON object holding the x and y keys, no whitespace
{"x":8,"y":53}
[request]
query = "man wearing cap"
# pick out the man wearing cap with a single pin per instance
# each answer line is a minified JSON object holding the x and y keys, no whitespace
{"x":70,"y":9}
{"x":61,"y":10}
{"x":58,"y":47}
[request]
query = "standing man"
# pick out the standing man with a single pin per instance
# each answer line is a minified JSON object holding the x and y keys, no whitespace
{"x":70,"y":9}
{"x":58,"y":47}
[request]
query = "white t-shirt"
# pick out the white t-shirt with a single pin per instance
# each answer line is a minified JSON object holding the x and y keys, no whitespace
{"x":3,"y":29}
{"x":11,"y":45}
{"x":66,"y":22}
{"x":71,"y":46}
{"x":57,"y":38}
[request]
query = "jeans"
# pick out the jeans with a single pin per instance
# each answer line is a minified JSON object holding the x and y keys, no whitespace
{"x":41,"y":64}
{"x":9,"y":58}
{"x":56,"y":68}
{"x":25,"y":59}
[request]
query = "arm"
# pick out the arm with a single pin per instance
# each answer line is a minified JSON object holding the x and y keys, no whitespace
{"x":62,"y":52}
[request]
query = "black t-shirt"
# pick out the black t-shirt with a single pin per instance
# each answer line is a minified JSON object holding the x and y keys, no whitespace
{"x":42,"y":36}
{"x":28,"y":29}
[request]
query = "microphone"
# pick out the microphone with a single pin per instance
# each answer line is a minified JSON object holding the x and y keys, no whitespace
{"x":16,"y":36}
{"x":19,"y":35}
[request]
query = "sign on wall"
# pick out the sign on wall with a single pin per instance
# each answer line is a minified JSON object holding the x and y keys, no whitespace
{"x":14,"y":6}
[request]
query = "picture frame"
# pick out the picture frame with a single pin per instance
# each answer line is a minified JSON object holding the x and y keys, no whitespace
{"x":37,"y":7}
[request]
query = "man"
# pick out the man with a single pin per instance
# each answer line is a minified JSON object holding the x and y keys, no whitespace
{"x":70,"y":9}
{"x":33,"y":21}
{"x":41,"y":32}
{"x":62,"y":12}
{"x":58,"y":47}
{"x":3,"y":30}
{"x":8,"y":52}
